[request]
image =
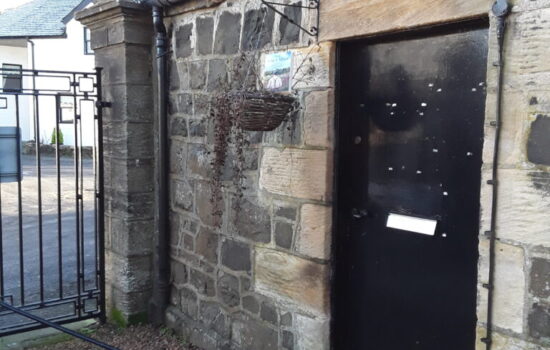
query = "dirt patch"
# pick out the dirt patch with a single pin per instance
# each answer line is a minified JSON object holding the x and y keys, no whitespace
{"x":131,"y":338}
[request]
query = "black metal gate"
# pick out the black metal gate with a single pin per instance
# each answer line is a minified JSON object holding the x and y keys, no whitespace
{"x":51,"y":197}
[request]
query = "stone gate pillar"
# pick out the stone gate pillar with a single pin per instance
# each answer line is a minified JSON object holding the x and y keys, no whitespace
{"x":121,"y":33}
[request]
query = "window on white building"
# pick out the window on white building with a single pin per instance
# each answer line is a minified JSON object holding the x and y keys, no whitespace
{"x":87,"y":42}
{"x":11,"y":77}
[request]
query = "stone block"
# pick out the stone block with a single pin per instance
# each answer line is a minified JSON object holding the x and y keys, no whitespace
{"x":203,"y":283}
{"x":128,"y":274}
{"x":206,"y":245}
{"x":182,"y":195}
{"x":523,"y":197}
{"x":539,"y":321}
{"x":189,"y":303}
{"x":251,"y":304}
{"x":228,"y":34}
{"x":286,"y":319}
{"x":181,"y":103}
{"x":285,"y":212}
{"x":249,"y":334}
{"x":183,"y":41}
{"x":228,"y":289}
{"x":217,"y":74}
{"x":258,"y":29}
{"x":199,"y":161}
{"x":197,"y":75}
{"x":130,"y":238}
{"x":132,"y":206}
{"x":297,"y":173}
{"x":538,"y":143}
{"x":179,"y":273}
{"x":202,"y":105}
{"x":297,"y":281}
{"x":205,"y":35}
{"x":197,"y":127}
{"x":509,"y":289}
{"x":251,"y":220}
{"x":312,"y":333}
{"x":318,"y":119}
{"x":314,"y":234}
{"x":283,"y":234}
{"x":288,"y":340}
{"x":211,"y":314}
{"x":178,"y":157}
{"x":288,"y":31}
{"x":504,"y":342}
{"x":268,"y":313}
{"x":317,"y":70}
{"x":173,"y":76}
{"x":178,"y":127}
{"x":540,"y":278}
{"x":236,"y":255}
{"x":204,"y":206}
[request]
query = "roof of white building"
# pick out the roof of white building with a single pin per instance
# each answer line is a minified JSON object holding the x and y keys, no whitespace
{"x":39,"y":18}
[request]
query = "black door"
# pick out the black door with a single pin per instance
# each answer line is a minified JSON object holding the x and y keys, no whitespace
{"x":411,"y":114}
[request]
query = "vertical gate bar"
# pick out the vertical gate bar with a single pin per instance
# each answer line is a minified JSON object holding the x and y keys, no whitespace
{"x":96,"y":233}
{"x":20,"y":207}
{"x":77,"y":196}
{"x":82,"y":212}
{"x":39,"y":179}
{"x":59,"y":216}
{"x":100,"y":197}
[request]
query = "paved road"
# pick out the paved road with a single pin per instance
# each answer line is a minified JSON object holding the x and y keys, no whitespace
{"x":55,"y":255}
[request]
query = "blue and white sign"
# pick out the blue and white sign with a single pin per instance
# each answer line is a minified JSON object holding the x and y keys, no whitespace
{"x":276,"y":71}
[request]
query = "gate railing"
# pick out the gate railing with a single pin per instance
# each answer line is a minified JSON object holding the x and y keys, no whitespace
{"x":51,"y":197}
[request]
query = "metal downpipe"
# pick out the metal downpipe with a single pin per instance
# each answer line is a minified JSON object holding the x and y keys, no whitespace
{"x":501,"y":10}
{"x":161,"y":286}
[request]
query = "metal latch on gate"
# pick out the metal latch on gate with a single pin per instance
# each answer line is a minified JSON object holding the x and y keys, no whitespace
{"x":103,"y":104}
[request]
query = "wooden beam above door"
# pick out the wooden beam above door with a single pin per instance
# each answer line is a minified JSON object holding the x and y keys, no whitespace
{"x":341,"y":19}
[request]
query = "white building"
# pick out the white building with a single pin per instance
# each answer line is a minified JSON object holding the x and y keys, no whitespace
{"x":43,"y":35}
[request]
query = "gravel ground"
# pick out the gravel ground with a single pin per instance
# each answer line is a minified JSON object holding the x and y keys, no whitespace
{"x":131,"y":338}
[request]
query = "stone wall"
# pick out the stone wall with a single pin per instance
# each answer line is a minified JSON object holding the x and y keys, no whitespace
{"x":522,"y":280}
{"x":261,"y":280}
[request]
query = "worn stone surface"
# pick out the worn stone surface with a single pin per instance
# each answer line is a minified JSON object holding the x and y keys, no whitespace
{"x":228,"y":290}
{"x":203,"y":283}
{"x":252,"y":335}
{"x":236,"y":255}
{"x":539,"y":321}
{"x":312,"y":333}
{"x":318,"y":122}
{"x":268,"y":313}
{"x":509,"y":291}
{"x":217,"y":74}
{"x":288,"y":340}
{"x":538,"y":145}
{"x":540,"y":278}
{"x":182,"y":195}
{"x":197,"y":74}
{"x":528,"y":191}
{"x":297,"y":280}
{"x":297,"y":173}
{"x":207,"y":245}
{"x":250,"y":303}
{"x":251,"y":221}
{"x":314,"y":235}
{"x":286,"y":212}
{"x":228,"y":33}
{"x":205,"y":35}
{"x":183,"y":41}
{"x":283,"y":235}
{"x":289,"y":32}
{"x":258,"y":29}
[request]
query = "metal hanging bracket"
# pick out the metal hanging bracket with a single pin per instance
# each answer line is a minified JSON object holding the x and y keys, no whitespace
{"x":313,"y":5}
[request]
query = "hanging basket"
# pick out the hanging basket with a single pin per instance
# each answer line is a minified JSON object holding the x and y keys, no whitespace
{"x":264,"y":111}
